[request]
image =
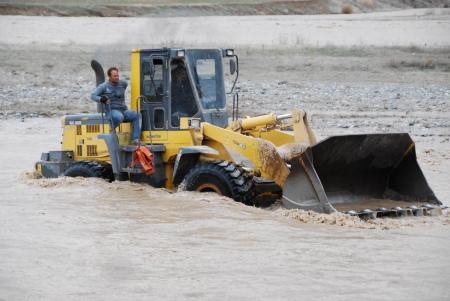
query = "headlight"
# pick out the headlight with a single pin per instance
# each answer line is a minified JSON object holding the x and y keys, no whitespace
{"x":180,"y":53}
{"x":229,"y":52}
{"x":194,"y":123}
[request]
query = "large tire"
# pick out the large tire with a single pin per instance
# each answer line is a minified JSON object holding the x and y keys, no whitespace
{"x":90,"y":169}
{"x":221,"y":177}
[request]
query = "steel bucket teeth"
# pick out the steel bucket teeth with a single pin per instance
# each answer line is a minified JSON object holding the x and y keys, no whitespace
{"x":367,"y":214}
{"x":431,"y":210}
{"x":425,"y":210}
{"x":402,"y":211}
{"x":384,"y":212}
{"x":417,"y":211}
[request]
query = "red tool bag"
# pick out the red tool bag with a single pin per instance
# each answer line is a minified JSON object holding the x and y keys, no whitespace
{"x":144,"y":157}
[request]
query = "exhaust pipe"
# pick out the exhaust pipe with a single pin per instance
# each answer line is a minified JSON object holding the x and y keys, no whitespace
{"x":99,"y":78}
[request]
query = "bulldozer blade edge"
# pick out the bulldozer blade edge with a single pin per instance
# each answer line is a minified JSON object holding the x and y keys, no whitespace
{"x":355,"y":172}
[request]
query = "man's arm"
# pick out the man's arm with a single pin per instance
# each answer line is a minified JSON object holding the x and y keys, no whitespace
{"x":124,"y":83}
{"x":96,"y":95}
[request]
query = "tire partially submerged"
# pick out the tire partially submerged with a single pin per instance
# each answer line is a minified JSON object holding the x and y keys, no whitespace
{"x":90,"y":169}
{"x":221,"y":177}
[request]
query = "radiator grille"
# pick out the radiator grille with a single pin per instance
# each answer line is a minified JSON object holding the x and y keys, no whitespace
{"x":78,"y":129}
{"x":93,"y":128}
{"x":91,"y":150}
{"x":79,"y":150}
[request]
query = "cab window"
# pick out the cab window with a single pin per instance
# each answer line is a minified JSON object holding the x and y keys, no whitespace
{"x":152,"y":88}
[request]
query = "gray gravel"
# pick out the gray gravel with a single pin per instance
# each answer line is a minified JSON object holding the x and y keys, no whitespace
{"x":370,"y":107}
{"x":375,"y":99}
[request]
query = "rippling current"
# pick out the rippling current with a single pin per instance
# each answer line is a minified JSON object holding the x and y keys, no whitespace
{"x":86,"y":239}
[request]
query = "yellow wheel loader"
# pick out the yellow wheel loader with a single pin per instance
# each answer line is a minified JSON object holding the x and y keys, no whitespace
{"x":181,"y":98}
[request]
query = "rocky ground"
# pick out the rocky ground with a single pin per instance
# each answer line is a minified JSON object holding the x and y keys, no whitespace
{"x":171,"y":8}
{"x":395,"y":89}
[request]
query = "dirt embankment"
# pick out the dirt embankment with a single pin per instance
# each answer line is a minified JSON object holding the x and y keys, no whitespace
{"x":207,"y":8}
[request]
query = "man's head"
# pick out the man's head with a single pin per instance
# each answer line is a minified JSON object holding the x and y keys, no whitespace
{"x":178,"y":71}
{"x":113,"y":74}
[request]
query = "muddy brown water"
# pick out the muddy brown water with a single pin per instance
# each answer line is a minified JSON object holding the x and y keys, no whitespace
{"x":85,"y":239}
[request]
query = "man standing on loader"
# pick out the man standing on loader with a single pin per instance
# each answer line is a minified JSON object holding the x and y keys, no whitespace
{"x":112,"y":94}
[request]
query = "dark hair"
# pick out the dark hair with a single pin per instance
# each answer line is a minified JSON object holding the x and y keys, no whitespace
{"x":111,"y":69}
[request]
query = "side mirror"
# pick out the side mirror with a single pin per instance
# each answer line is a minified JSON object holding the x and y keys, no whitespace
{"x":232,"y":67}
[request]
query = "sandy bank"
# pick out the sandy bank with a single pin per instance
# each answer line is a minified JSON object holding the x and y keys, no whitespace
{"x":421,"y":28}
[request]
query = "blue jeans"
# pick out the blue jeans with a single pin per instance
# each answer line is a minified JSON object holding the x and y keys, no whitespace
{"x":120,"y":116}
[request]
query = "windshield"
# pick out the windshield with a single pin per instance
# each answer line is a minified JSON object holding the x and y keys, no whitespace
{"x":206,"y":66}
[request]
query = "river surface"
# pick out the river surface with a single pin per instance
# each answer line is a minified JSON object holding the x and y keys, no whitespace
{"x":86,"y":239}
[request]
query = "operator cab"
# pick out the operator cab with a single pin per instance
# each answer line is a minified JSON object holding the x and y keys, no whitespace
{"x":183,"y":102}
{"x":176,"y":83}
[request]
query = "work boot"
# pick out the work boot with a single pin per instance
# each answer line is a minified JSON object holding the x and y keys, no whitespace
{"x":136,"y":142}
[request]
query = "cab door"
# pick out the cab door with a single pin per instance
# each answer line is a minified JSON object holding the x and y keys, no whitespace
{"x":154,"y":98}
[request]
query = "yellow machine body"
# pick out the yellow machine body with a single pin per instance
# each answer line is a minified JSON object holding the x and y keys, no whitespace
{"x":251,"y":159}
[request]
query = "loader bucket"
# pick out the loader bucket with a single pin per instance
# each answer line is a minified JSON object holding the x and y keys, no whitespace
{"x":357,"y":172}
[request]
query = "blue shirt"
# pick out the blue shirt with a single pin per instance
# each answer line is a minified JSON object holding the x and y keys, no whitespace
{"x":116,"y":93}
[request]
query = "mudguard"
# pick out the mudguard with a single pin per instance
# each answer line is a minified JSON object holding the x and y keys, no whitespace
{"x":187,"y":157}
